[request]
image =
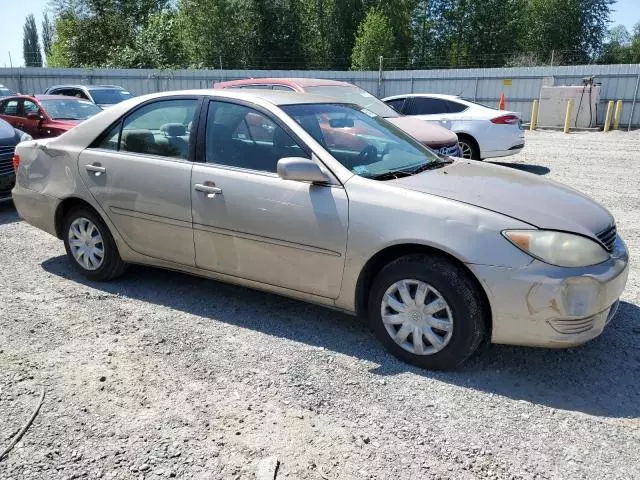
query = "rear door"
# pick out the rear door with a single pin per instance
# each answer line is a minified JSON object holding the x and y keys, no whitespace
{"x":139,"y":172}
{"x":250,"y":223}
{"x":10,"y":111}
{"x":426,"y":108}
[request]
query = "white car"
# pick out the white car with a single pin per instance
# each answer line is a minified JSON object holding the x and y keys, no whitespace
{"x":483,"y":132}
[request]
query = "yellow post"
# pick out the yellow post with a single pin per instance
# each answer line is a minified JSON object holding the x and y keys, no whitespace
{"x":607,"y":119}
{"x":567,"y":118}
{"x":617,"y":115}
{"x":534,"y":116}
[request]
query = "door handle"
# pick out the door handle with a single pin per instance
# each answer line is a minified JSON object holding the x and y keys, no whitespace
{"x":96,"y":169}
{"x":210,"y":190}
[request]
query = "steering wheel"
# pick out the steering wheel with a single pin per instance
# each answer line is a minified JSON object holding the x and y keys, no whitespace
{"x":369,"y":154}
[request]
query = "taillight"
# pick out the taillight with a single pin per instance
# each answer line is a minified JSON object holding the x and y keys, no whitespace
{"x":16,"y":162}
{"x":506,"y":120}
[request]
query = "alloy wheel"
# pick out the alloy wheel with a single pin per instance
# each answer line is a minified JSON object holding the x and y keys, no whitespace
{"x":467,"y":151}
{"x":417,"y":317}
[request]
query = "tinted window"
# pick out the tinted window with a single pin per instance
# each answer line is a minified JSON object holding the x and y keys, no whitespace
{"x":242,"y":137}
{"x":9,"y":107}
{"x":426,"y":106}
{"x":109,"y":96}
{"x":396,"y":104}
{"x":455,"y":107}
{"x":159,"y":128}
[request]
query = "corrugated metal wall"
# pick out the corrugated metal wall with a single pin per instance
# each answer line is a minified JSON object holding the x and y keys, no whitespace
{"x":520,"y":85}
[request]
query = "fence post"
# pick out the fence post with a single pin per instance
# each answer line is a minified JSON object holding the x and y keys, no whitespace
{"x":567,"y":118}
{"x":475,"y":91}
{"x":380,"y":77}
{"x":534,"y":116}
{"x":617,"y":115}
{"x":633,"y":105}
{"x":607,"y":120}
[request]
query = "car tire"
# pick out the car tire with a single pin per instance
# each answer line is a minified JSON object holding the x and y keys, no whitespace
{"x":468,"y":148}
{"x":83,"y":223}
{"x":448,"y":286}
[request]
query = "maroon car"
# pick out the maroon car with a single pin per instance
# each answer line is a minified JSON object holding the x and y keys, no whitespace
{"x":44,"y":116}
{"x":434,"y":136}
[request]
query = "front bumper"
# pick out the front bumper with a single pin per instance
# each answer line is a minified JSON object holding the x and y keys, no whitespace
{"x":546,"y":306}
{"x":7,"y":181}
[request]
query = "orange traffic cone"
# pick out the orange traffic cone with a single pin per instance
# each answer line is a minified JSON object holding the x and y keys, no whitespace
{"x":502,"y":103}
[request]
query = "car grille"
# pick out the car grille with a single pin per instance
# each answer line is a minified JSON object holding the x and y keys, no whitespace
{"x":6,"y":159}
{"x":608,"y":237}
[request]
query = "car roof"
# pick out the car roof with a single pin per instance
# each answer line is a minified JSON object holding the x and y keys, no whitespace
{"x":89,"y":87}
{"x":275,"y":97}
{"x":38,"y":97}
{"x":289,"y":81}
{"x":428,"y":95}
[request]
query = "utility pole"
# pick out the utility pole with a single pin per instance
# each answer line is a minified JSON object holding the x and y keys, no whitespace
{"x":552,"y":55}
{"x":380,"y":77}
{"x":10,"y":62}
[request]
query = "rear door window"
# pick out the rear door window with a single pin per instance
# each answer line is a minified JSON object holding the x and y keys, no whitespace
{"x":426,"y":106}
{"x":397,"y":104}
{"x":161,"y":128}
{"x":9,"y":107}
{"x":455,"y":107}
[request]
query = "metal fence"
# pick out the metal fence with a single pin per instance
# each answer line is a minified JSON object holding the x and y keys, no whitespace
{"x":520,"y":85}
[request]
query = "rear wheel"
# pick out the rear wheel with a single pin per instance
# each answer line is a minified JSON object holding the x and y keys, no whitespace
{"x":90,"y":246}
{"x":468,"y":148}
{"x":426,"y":311}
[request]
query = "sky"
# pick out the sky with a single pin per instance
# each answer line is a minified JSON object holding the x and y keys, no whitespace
{"x":14,"y":12}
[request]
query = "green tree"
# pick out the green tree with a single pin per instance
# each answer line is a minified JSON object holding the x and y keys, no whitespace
{"x":217,"y":32}
{"x":47,"y":35}
{"x":157,"y":45}
{"x":374,"y":39}
{"x":31,"y":43}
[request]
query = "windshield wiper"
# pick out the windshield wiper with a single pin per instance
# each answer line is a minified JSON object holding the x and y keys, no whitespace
{"x":392,"y":175}
{"x":432,"y":165}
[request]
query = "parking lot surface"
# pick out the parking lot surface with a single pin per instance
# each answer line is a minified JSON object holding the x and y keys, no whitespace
{"x":160,"y":374}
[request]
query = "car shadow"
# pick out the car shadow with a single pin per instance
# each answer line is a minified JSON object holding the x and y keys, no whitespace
{"x":8,"y":213}
{"x":599,"y":378}
{"x":525,"y":167}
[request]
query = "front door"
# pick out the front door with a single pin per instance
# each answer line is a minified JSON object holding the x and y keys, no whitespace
{"x":250,"y":223}
{"x":140,"y":174}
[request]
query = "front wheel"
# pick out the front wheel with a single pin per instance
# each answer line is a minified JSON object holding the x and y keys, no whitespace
{"x":427,"y":312}
{"x":90,"y":246}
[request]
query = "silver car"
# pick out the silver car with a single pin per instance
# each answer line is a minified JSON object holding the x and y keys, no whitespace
{"x":438,"y":253}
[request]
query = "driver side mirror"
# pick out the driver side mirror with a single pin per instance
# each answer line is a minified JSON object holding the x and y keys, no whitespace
{"x":301,"y":170}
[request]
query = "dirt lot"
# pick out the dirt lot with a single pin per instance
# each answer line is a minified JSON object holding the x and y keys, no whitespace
{"x":162,"y":375}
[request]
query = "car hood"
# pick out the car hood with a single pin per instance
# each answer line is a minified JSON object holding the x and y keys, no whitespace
{"x":7,"y":134}
{"x":427,"y":133}
{"x":524,"y":196}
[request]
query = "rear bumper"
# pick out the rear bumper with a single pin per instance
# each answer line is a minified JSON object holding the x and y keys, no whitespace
{"x":546,"y":306}
{"x":35,"y":208}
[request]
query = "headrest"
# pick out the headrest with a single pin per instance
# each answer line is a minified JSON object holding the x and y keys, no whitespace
{"x":173,"y":129}
{"x":137,"y":140}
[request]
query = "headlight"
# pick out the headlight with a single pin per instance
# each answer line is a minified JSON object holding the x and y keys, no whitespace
{"x":22,"y":136}
{"x":558,"y":248}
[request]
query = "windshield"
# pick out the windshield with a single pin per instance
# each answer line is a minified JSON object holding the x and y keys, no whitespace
{"x":109,"y":96}
{"x":362,"y":141}
{"x":70,"y":108}
{"x":355,"y":95}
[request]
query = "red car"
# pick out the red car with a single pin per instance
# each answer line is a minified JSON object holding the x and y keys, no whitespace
{"x":44,"y":116}
{"x":434,"y":136}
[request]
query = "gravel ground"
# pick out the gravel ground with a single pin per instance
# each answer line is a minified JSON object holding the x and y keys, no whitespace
{"x":160,"y":374}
